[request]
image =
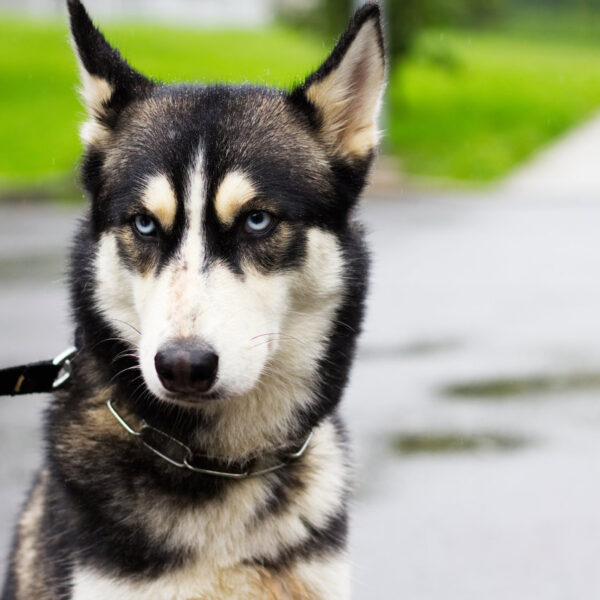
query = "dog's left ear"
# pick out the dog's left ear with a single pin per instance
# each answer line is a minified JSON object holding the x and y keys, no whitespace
{"x":109,"y":84}
{"x":347,"y":90}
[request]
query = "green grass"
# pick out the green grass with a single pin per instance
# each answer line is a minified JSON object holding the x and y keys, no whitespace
{"x":499,"y":98}
{"x":468,"y":106}
{"x":39,"y":107}
{"x":579,"y":24}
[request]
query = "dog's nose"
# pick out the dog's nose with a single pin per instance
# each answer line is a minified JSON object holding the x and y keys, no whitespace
{"x":186,"y":367}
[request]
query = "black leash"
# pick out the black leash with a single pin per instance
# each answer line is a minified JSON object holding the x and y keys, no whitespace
{"x":37,"y":377}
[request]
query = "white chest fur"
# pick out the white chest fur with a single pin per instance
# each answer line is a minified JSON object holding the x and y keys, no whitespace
{"x":326,"y":579}
{"x":225,"y":533}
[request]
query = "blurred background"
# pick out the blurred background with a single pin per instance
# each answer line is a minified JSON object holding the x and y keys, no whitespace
{"x":474,"y":401}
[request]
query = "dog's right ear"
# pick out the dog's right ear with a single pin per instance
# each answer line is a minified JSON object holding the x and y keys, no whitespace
{"x":108,"y":82}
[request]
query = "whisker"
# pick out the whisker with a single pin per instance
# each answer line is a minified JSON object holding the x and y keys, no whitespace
{"x":111,"y":339}
{"x":123,"y":371}
{"x":129,"y":325}
{"x":277,"y":334}
{"x":125,"y":354}
{"x":263,"y":335}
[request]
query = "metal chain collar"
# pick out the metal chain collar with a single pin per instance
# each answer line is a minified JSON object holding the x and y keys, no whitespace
{"x":181,"y":456}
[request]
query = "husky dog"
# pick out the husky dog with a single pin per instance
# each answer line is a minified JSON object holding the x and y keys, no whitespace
{"x":217,"y":286}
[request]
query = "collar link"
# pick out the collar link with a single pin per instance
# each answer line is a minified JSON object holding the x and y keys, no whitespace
{"x":181,"y":456}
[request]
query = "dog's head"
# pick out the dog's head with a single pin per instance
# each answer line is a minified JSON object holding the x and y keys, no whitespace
{"x":221,"y":219}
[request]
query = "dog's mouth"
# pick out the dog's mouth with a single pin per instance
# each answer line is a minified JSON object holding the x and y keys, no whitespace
{"x":195,"y":400}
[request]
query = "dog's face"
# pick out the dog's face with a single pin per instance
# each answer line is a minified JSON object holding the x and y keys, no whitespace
{"x":219,"y":212}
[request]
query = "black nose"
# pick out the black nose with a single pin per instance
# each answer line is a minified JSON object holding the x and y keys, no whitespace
{"x":187,"y":366}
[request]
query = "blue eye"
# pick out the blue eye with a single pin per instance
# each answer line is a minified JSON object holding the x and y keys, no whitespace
{"x":145,"y":225}
{"x":258,"y":221}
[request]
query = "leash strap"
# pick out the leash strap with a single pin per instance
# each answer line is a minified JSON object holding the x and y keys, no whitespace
{"x":37,"y":377}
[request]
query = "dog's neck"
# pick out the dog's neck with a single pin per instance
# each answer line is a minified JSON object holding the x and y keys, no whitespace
{"x":179,"y":454}
{"x":236,"y":429}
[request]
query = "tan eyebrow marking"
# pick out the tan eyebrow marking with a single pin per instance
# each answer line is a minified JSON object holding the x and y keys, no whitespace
{"x":235,"y":190}
{"x":159,"y":198}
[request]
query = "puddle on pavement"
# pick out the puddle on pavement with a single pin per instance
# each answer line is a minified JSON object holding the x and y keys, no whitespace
{"x":509,"y":387}
{"x":452,"y":442}
{"x":419,"y":348}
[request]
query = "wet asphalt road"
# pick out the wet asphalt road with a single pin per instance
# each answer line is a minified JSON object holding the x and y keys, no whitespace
{"x":490,"y":491}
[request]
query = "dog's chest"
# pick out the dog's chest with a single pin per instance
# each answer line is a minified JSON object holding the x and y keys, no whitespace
{"x":192,"y":583}
{"x":327,"y":579}
{"x":225,"y":538}
{"x":220,"y":538}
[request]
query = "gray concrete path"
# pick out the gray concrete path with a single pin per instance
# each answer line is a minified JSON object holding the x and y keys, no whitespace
{"x":490,"y":490}
{"x":474,"y":402}
{"x":571,"y":164}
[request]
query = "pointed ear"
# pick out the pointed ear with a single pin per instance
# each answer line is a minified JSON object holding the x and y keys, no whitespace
{"x":347,"y":90}
{"x":108,"y":82}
